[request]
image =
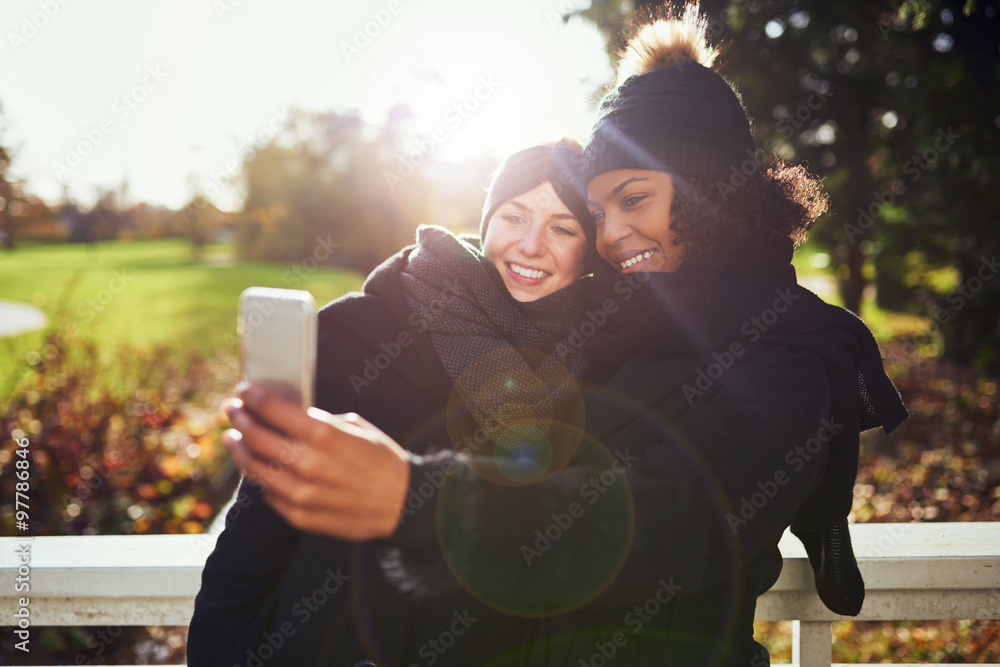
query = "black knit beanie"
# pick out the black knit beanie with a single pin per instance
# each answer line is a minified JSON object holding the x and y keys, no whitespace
{"x":559,"y":164}
{"x":681,"y":118}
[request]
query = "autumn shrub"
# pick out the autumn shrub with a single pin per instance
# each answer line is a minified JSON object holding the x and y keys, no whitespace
{"x":124,"y":447}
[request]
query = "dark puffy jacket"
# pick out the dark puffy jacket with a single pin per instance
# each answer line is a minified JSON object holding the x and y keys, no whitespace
{"x":638,"y":549}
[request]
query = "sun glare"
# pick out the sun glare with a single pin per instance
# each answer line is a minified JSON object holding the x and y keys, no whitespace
{"x":481,"y":80}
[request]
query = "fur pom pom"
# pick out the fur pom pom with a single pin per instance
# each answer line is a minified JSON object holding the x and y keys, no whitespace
{"x":667,"y":41}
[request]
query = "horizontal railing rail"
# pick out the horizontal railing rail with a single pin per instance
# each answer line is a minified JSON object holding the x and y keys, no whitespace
{"x":912,"y":571}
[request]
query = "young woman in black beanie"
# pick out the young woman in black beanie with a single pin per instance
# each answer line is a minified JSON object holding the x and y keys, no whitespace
{"x":745,"y":392}
{"x":460,"y":336}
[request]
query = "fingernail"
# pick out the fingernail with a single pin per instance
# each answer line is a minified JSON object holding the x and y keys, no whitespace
{"x":251,"y":393}
{"x":229,"y":405}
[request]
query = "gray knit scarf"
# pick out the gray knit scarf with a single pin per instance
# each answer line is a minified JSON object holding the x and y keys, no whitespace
{"x":497,"y":351}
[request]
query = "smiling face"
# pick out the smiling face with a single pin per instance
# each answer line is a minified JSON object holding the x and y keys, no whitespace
{"x":536,"y":243}
{"x":632,"y":211}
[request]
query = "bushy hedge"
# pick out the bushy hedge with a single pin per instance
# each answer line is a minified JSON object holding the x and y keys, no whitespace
{"x":125,"y":446}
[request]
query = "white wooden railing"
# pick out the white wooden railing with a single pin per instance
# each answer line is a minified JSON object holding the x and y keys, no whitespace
{"x":916,"y":571}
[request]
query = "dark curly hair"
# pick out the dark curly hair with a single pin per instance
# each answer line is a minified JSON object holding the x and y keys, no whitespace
{"x":774,"y":201}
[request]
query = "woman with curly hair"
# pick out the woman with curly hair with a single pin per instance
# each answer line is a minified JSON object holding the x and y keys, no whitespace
{"x":742,"y":393}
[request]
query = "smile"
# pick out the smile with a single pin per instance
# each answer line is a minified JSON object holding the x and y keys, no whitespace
{"x":632,"y":261}
{"x":533,"y":274}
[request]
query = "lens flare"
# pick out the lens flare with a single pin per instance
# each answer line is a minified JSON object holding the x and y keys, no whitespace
{"x":518,"y":425}
{"x":541,"y":549}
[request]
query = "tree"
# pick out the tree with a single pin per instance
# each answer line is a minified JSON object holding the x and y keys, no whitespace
{"x":325,"y":184}
{"x":895,"y":107}
{"x":9,"y":195}
{"x":6,"y":197}
{"x":201,"y":219}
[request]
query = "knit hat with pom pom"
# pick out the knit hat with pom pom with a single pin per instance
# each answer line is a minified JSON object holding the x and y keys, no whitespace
{"x":670,"y":111}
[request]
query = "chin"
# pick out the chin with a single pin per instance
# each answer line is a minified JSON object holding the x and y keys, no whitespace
{"x":524,"y":298}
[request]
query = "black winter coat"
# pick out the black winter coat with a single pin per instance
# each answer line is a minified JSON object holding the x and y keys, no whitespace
{"x":632,"y":551}
{"x":274,"y":595}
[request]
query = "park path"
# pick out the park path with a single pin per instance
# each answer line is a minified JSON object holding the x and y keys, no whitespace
{"x":17,"y":318}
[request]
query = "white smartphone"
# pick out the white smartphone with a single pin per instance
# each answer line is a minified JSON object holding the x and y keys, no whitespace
{"x":277,"y":330}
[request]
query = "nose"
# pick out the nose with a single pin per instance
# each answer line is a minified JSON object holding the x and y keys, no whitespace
{"x":532,"y":242}
{"x":613,"y":231}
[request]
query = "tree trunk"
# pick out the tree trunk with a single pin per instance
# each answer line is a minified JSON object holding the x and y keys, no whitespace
{"x":852,"y":287}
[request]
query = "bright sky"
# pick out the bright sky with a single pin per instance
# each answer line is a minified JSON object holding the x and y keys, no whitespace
{"x":165,"y":93}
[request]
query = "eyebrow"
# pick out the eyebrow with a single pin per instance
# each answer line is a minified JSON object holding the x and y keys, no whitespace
{"x":518,"y":205}
{"x":527,"y":209}
{"x":614,"y":193}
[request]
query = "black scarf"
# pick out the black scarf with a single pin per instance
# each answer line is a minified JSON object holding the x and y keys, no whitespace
{"x":706,"y":306}
{"x":496,"y":350}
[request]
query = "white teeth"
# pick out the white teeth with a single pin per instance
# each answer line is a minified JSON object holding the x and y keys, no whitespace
{"x":526,"y":272}
{"x":638,"y":258}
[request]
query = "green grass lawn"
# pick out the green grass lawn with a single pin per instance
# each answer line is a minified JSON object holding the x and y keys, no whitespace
{"x":143,"y":293}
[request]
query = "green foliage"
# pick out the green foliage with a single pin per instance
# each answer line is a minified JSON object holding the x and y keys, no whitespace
{"x":326,"y":178}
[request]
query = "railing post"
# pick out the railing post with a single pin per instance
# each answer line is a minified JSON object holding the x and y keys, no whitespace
{"x":812,"y":643}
